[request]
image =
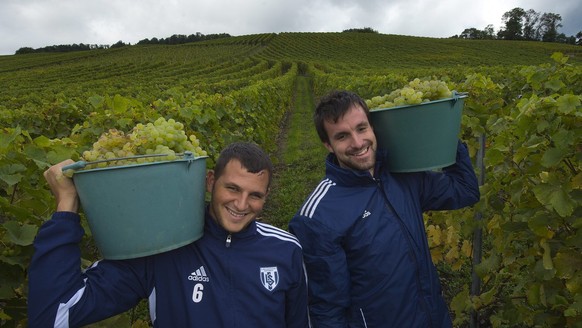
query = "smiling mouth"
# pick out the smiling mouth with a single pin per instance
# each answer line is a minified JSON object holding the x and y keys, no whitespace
{"x":362,"y":152}
{"x":236,"y":214}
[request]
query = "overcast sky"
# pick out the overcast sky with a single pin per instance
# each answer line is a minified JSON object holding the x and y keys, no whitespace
{"x":40,"y":23}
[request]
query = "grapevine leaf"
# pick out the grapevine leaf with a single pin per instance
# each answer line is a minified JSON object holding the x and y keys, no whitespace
{"x":120,"y":104}
{"x":4,"y":316}
{"x":538,"y":224}
{"x":7,"y":139}
{"x":542,"y":273}
{"x":574,"y":285}
{"x":547,"y":257}
{"x":542,"y":126}
{"x":567,"y":263}
{"x":495,"y":157}
{"x":553,"y":156}
{"x":42,"y":141}
{"x":559,"y":58}
{"x":533,"y":294}
{"x":460,"y":302}
{"x":22,"y":235}
{"x":488,"y":265}
{"x":10,"y":173}
{"x":11,"y":179}
{"x":96,"y":101}
{"x":563,"y":138}
{"x":514,"y":226}
{"x":543,"y":295}
{"x":568,"y":104}
{"x":554,"y":196}
{"x":577,"y":181}
{"x":60,"y":153}
{"x":575,"y":309}
{"x":554,"y":85}
{"x":35,"y":153}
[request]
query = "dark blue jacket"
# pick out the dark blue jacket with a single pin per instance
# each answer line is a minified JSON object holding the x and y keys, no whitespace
{"x":257,"y":280}
{"x":365,"y":245}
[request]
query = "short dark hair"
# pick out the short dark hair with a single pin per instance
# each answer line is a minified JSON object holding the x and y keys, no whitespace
{"x":250,"y":155}
{"x":332,"y":107}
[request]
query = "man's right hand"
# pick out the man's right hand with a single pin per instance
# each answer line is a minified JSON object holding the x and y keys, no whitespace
{"x":62,"y":187}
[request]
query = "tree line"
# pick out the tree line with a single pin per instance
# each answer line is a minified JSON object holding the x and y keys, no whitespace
{"x":528,"y":25}
{"x":519,"y":24}
{"x":174,"y":39}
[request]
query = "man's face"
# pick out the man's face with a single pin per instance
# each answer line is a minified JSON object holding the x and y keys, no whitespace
{"x":238,"y":196}
{"x":352,"y":140}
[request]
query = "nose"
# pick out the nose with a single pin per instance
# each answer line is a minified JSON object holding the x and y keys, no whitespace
{"x":358,"y":140}
{"x":241,"y":202}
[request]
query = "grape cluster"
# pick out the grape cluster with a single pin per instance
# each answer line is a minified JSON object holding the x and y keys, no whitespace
{"x":163,"y":136}
{"x":416,"y":92}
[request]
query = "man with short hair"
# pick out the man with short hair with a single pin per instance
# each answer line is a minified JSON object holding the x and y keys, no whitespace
{"x":362,"y":229}
{"x":241,"y":273}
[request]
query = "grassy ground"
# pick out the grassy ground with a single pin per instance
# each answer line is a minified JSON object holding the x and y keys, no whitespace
{"x":299,"y":163}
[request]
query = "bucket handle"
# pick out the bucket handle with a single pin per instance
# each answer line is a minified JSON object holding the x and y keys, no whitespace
{"x":458,"y":95}
{"x":81,"y":164}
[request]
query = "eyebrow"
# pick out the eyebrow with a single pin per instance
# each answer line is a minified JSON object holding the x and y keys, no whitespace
{"x":360,"y":125}
{"x":252,"y":193}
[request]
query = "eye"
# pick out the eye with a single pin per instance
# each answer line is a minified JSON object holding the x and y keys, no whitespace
{"x":257,"y":196}
{"x":363,"y":128}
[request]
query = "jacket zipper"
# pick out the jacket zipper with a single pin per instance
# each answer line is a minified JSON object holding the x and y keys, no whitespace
{"x":228,"y":240}
{"x":412,"y":249}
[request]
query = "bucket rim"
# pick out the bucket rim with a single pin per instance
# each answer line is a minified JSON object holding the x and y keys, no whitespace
{"x":455,"y":98}
{"x":108,"y":168}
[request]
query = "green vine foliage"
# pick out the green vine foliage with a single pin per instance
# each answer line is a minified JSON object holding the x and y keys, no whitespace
{"x":531,"y":207}
{"x":252,"y":113}
{"x":531,"y":200}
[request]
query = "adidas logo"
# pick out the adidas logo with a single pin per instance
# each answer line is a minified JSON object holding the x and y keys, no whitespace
{"x":199,"y":275}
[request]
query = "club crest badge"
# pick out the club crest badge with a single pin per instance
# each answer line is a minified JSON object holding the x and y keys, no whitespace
{"x":270,"y":277}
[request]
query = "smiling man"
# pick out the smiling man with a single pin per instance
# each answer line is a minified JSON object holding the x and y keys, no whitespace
{"x":241,"y":273}
{"x":362,"y":228}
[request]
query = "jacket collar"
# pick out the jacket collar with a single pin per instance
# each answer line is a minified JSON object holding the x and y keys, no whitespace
{"x":213,"y":228}
{"x":348,"y":177}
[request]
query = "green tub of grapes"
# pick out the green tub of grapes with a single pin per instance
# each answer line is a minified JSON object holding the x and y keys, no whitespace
{"x":143,"y":209}
{"x":419,"y":137}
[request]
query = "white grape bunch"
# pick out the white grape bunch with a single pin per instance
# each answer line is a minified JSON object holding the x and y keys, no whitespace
{"x":415,"y":92}
{"x":163,"y":136}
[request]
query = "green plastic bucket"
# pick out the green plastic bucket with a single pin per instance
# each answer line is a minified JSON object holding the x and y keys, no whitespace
{"x":419,"y":137}
{"x":143,"y":209}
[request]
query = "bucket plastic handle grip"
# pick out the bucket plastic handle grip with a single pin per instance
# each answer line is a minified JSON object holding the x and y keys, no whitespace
{"x":458,"y":95}
{"x":81,"y":164}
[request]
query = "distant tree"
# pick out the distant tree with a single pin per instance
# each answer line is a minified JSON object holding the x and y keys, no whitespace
{"x":525,"y":25}
{"x":472,"y":33}
{"x":489,"y":32}
{"x":513,"y":25}
{"x":174,"y":39}
{"x":530,"y":25}
{"x":118,"y":44}
{"x":360,"y":30}
{"x":562,"y":38}
{"x":24,"y":50}
{"x":549,"y":25}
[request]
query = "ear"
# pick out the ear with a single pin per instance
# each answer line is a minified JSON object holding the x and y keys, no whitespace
{"x":209,"y":180}
{"x":328,"y":146}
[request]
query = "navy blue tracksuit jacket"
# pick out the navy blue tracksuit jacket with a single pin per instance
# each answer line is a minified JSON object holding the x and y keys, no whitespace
{"x":365,"y":245}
